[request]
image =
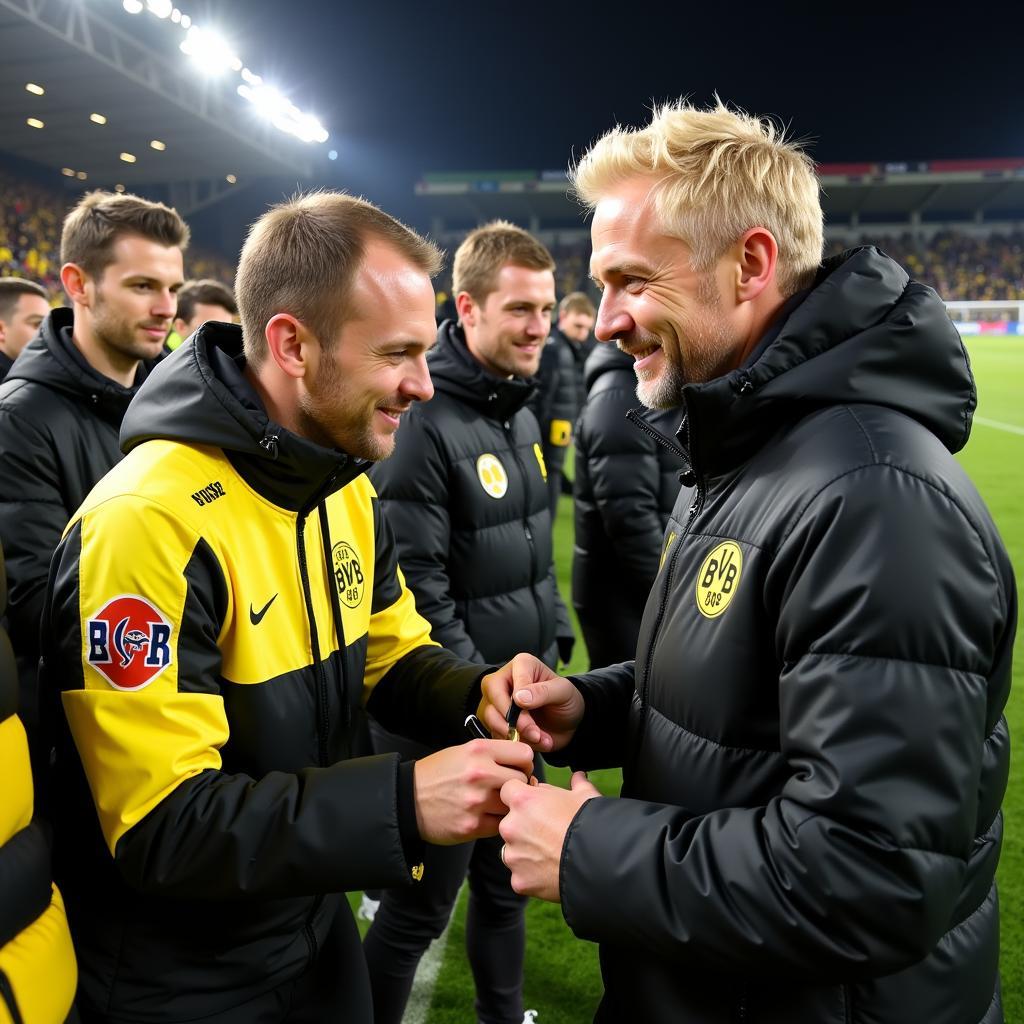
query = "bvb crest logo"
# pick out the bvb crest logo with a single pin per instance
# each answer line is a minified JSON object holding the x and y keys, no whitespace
{"x":492,"y":475}
{"x":348,"y":574}
{"x":718,"y":579}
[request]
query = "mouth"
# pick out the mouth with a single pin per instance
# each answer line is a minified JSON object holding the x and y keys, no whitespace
{"x":392,"y":416}
{"x":155,"y":332}
{"x":643,"y":356}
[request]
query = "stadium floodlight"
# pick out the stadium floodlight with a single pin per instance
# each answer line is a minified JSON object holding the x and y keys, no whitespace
{"x":81,"y":175}
{"x":133,"y":6}
{"x":230,"y":179}
{"x":332,"y":155}
{"x":209,"y":51}
{"x":158,"y":145}
{"x":97,"y":119}
{"x":34,"y":122}
{"x":248,"y":76}
{"x":128,"y":158}
{"x":38,"y":90}
{"x":175,"y":15}
{"x":119,"y":187}
{"x":67,"y":172}
{"x":186,"y":21}
{"x":161,"y":8}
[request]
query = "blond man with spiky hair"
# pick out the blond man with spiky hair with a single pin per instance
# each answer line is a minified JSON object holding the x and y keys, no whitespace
{"x":812,"y":732}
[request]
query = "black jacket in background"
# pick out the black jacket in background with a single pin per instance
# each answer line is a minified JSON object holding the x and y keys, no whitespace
{"x":6,"y":362}
{"x":557,"y":401}
{"x":479,"y":566}
{"x":59,"y":423}
{"x":812,"y":735}
{"x":625,"y":484}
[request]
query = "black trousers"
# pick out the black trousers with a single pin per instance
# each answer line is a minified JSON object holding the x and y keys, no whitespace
{"x":410,"y":918}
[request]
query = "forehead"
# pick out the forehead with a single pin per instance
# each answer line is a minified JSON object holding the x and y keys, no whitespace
{"x":133,"y":255}
{"x":214,"y":311}
{"x":393,"y":295}
{"x":625,"y":225}
{"x":515,"y":282}
{"x":31,"y":305}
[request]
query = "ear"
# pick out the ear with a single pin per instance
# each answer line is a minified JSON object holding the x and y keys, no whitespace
{"x":466,"y":308}
{"x":758,"y":257}
{"x":180,"y":327}
{"x":75,"y":282}
{"x":288,"y":342}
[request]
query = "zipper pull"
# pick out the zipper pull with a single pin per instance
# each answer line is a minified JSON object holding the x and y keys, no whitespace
{"x":269,"y":445}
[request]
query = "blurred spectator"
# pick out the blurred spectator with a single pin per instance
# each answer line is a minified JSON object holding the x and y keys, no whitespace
{"x":23,"y":306}
{"x":199,"y":301}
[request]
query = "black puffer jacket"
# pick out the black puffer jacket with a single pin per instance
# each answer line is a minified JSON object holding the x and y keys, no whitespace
{"x":813,"y":736}
{"x":465,"y":494}
{"x":625,"y":484}
{"x":559,"y":396}
{"x":59,"y":422}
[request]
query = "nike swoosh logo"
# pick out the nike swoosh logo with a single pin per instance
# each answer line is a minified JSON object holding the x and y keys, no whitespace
{"x":257,"y":617}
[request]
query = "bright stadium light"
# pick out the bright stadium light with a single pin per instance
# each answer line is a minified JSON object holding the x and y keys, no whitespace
{"x":158,"y":145}
{"x":161,"y":8}
{"x":133,"y":6}
{"x":186,"y":21}
{"x":97,"y":119}
{"x":38,"y":90}
{"x":230,"y":179}
{"x":119,"y":187}
{"x":81,"y":175}
{"x":34,"y":122}
{"x":175,"y":15}
{"x":128,"y":158}
{"x":67,"y":172}
{"x":209,"y":51}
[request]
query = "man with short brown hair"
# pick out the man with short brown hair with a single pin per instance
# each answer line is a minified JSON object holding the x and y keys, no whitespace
{"x":62,"y":402}
{"x":221,"y":609}
{"x":202,"y":300}
{"x":466,"y":494}
{"x":23,"y":307}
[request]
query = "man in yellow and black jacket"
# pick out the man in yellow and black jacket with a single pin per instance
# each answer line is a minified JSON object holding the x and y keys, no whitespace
{"x":220,"y":611}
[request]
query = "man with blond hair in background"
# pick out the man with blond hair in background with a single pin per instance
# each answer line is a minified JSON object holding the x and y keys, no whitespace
{"x":220,"y":610}
{"x":466,"y":496}
{"x":812,"y":733}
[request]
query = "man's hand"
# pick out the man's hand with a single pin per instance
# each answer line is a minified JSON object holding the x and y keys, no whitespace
{"x":534,"y":832}
{"x":457,"y":789}
{"x":553,"y":707}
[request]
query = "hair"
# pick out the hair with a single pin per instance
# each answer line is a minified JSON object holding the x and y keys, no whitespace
{"x":576,"y":302}
{"x":205,"y":291}
{"x":12,"y":289}
{"x":93,"y":227}
{"x":302,"y":257}
{"x":716,"y":173}
{"x":487,"y":249}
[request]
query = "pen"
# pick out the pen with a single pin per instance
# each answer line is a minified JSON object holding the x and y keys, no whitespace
{"x":511,"y":717}
{"x":475,"y":728}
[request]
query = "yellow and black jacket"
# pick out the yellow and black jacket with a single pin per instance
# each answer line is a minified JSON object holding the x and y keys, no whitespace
{"x":37,"y":963}
{"x":220,"y":610}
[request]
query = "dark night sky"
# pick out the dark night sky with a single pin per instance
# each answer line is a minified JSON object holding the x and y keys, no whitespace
{"x":406,"y":88}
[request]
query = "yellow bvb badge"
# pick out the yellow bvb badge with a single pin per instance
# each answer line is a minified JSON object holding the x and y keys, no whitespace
{"x":493,"y":477}
{"x":348,"y":574}
{"x":718,"y":579}
{"x":561,"y":433}
{"x":540,"y":460}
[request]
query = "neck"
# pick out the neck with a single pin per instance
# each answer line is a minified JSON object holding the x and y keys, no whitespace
{"x":103,"y":359}
{"x":280,"y":406}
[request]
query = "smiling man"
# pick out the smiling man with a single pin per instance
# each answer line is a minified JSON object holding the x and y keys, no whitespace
{"x":221,"y":608}
{"x":812,"y":735}
{"x":466,"y":495}
{"x":62,"y":403}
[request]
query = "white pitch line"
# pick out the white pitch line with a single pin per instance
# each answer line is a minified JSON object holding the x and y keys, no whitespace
{"x":422,"y":994}
{"x":1010,"y":428}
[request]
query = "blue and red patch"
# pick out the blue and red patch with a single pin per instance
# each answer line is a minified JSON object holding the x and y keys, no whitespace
{"x":129,"y":642}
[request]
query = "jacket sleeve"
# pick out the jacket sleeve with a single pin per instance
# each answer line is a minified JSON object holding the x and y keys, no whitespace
{"x":565,"y":635}
{"x":175,"y":821}
{"x":33,"y":515}
{"x":413,"y":488}
{"x":892,"y":609}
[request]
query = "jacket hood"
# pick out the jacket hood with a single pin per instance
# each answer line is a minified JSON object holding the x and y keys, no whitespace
{"x":199,"y":395}
{"x":865,"y":334}
{"x":53,"y":360}
{"x":604,"y":359}
{"x":454,"y":371}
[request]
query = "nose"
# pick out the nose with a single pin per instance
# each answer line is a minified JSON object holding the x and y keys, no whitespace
{"x":612,"y":319}
{"x":165,"y":304}
{"x":539,"y":325}
{"x":418,"y":385}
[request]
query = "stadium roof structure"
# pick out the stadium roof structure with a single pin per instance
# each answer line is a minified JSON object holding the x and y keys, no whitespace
{"x":852,"y":194}
{"x":87,"y":64}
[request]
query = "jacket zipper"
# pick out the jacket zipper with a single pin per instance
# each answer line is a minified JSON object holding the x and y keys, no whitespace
{"x":529,"y":537}
{"x":637,"y":420}
{"x":323,"y":710}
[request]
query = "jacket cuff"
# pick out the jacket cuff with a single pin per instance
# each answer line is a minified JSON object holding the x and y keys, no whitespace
{"x":409,"y":832}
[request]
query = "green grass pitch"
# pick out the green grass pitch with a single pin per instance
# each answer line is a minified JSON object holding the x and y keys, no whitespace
{"x":562,"y":980}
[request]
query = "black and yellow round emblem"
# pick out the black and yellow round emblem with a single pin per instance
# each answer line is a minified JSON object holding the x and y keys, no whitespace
{"x":348,"y":574}
{"x":718,"y":579}
{"x":491,"y":474}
